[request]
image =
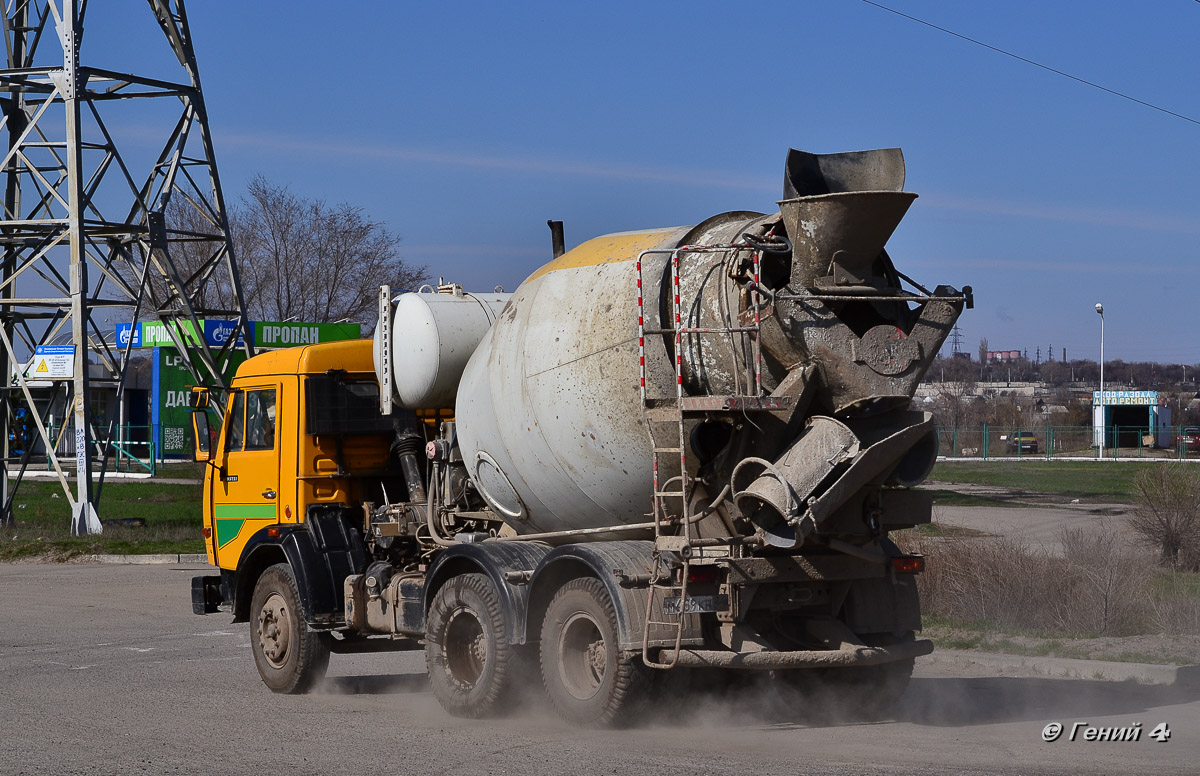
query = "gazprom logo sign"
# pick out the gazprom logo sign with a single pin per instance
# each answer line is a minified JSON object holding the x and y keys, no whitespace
{"x":217,"y":333}
{"x":125,"y":331}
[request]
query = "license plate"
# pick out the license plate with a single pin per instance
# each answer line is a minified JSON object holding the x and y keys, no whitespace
{"x":696,"y":604}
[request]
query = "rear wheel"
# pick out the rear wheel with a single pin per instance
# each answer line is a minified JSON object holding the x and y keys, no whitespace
{"x":471,"y":664}
{"x":290,"y":657}
{"x":587,"y":677}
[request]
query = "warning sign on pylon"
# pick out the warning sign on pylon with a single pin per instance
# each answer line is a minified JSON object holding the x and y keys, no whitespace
{"x":52,"y":362}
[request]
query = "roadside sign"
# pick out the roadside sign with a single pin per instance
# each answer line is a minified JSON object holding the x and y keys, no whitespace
{"x":217,"y":333}
{"x":125,"y":331}
{"x":285,"y":334}
{"x":267,"y":334}
{"x":51,"y":362}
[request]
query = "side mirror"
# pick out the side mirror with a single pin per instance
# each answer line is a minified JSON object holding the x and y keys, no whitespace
{"x":198,"y":399}
{"x":202,"y":450}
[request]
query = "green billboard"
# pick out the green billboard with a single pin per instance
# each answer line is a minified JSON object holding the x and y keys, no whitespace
{"x":286,"y":334}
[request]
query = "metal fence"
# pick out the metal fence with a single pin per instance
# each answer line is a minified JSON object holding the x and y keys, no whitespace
{"x":1048,"y":442}
{"x":134,"y":448}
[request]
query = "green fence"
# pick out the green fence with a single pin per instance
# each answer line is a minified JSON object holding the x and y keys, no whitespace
{"x":133,"y":448}
{"x":1045,"y":442}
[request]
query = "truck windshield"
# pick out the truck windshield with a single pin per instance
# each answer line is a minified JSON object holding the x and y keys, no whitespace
{"x":340,"y":406}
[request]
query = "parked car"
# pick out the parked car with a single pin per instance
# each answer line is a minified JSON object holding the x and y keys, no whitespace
{"x":1022,"y":442}
{"x":1189,"y":439}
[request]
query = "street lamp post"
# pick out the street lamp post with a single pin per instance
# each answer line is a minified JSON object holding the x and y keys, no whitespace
{"x":1103,"y":418}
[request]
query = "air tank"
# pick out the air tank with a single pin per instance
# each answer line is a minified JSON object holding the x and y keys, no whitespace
{"x":552,"y":422}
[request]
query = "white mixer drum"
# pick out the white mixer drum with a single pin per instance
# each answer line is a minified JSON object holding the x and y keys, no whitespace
{"x":550,"y":419}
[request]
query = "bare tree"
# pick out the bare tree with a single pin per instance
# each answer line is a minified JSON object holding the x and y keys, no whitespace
{"x":1167,"y":516}
{"x":195,"y":249}
{"x":305,"y":260}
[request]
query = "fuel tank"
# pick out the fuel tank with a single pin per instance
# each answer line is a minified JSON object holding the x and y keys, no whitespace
{"x":802,"y":303}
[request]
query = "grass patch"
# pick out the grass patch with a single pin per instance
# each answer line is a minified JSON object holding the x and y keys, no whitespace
{"x":950,"y":498}
{"x":42,"y":521}
{"x":973,"y":636}
{"x":938,"y":530}
{"x":1177,"y":583}
{"x":1094,"y":480}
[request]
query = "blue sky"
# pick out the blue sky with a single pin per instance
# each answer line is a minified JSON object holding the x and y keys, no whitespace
{"x":466,"y":125}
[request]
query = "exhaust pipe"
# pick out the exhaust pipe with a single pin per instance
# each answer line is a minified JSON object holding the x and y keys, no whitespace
{"x":557,"y":243}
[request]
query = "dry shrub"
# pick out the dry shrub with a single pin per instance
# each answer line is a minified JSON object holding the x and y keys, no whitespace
{"x":1098,"y":586}
{"x":1167,"y":516}
{"x":1111,"y":581}
{"x":1176,"y":604}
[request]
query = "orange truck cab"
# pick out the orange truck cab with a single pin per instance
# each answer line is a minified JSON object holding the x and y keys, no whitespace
{"x":302,"y":439}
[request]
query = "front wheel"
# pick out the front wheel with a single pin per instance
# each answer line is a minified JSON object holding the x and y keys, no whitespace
{"x":290,"y":657}
{"x":588,"y":679}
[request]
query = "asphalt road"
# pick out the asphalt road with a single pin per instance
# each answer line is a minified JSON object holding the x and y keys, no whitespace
{"x":104,"y":670}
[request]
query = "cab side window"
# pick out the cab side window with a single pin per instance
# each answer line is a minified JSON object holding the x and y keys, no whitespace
{"x":252,"y":421}
{"x":260,"y":420}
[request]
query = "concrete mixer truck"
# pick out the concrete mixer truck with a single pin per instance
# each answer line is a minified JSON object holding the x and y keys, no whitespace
{"x":671,"y":449}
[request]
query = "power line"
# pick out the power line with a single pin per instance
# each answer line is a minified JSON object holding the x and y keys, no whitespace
{"x":1036,"y":64}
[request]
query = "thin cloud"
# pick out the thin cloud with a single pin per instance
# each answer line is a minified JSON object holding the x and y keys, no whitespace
{"x":466,"y":251}
{"x":1057,"y":265}
{"x":1128,"y":218}
{"x":541,"y":165}
{"x":527,"y":164}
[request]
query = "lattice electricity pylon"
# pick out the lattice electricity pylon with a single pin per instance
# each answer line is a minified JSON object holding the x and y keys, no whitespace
{"x":66,"y":265}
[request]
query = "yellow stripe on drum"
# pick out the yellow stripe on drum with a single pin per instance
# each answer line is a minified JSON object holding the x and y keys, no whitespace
{"x":613,"y":248}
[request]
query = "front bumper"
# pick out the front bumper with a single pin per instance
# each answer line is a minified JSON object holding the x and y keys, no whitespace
{"x":207,"y":595}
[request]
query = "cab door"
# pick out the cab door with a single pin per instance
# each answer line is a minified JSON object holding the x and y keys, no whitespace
{"x":246,"y":495}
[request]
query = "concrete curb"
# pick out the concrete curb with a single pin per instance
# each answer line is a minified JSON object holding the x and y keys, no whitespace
{"x":1068,"y":668}
{"x":70,"y":475}
{"x":142,"y":560}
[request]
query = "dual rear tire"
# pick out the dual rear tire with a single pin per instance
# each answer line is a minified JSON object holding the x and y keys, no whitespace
{"x":588,"y":679}
{"x":475,"y":672}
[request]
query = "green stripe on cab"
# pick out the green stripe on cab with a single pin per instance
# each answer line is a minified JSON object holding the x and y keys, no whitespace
{"x":244,"y":511}
{"x":231,"y":517}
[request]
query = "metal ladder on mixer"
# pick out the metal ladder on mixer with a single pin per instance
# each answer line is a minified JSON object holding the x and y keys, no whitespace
{"x":672,"y":498}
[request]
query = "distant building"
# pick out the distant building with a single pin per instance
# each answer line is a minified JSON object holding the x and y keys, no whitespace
{"x":1003,"y":355}
{"x":1119,"y":418}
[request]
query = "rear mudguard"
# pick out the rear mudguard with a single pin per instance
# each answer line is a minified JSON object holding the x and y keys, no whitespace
{"x":506,"y":564}
{"x":528,"y":575}
{"x":624,"y":568}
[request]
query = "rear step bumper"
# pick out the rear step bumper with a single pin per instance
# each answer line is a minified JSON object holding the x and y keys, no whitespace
{"x":850,"y":655}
